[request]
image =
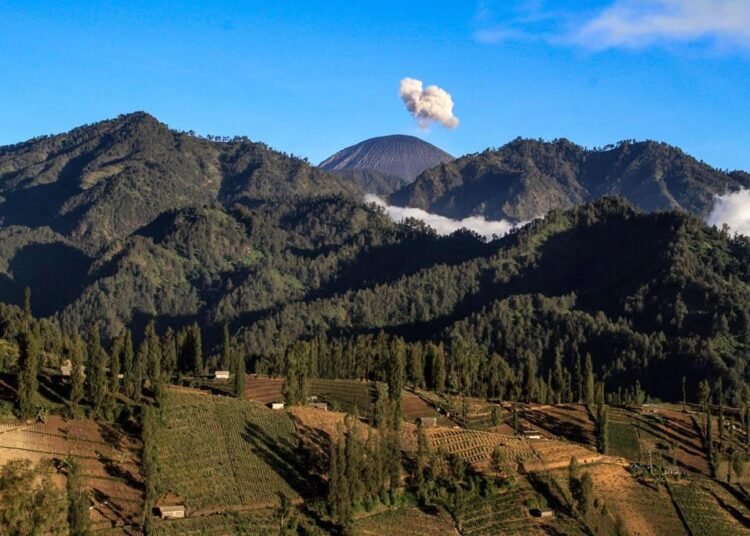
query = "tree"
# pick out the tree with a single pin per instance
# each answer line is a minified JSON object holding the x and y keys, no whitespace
{"x":129,"y":367}
{"x":226,"y":349}
{"x":28,"y":364}
{"x":602,"y":429}
{"x":168,"y":355}
{"x":396,"y":375}
{"x":79,"y":519}
{"x":436,"y":360}
{"x":96,"y":377}
{"x":30,"y":503}
{"x":589,"y":379}
{"x":684,"y":393}
{"x":153,"y":361}
{"x":295,"y":374}
{"x":530,"y":378}
{"x":195,"y":349}
{"x":115,"y":360}
{"x":77,"y":374}
{"x":239,"y":374}
{"x":704,"y":393}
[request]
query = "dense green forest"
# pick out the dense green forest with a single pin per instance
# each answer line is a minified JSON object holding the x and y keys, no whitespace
{"x":152,"y":227}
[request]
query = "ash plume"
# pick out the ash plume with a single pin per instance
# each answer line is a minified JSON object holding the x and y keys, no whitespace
{"x":428,"y":104}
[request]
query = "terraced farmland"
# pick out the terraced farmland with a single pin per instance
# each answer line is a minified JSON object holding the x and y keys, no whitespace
{"x":475,"y":447}
{"x":566,"y":421}
{"x":109,"y":460}
{"x":709,"y":509}
{"x":407,"y":521}
{"x":501,"y":514}
{"x":346,"y":394}
{"x":216,"y":452}
{"x":263,"y":388}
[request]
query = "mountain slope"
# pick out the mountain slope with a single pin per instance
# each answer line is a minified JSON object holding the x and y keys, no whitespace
{"x":100,"y":182}
{"x":398,"y":155}
{"x":527,"y":178}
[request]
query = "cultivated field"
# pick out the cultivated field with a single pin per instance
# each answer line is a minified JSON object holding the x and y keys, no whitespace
{"x":253,"y":524}
{"x":407,"y":521}
{"x":504,"y":513}
{"x":711,"y":508}
{"x":475,"y":447}
{"x":565,"y":421}
{"x":217,"y":452}
{"x":109,"y":459}
{"x":643,"y":509}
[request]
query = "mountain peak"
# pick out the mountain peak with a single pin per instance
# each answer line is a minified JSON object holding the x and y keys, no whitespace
{"x":397,"y":155}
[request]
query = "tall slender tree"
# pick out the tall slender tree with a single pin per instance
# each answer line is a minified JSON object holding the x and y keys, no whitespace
{"x":78,"y":358}
{"x":96,"y":376}
{"x":589,"y":379}
{"x":28,"y":364}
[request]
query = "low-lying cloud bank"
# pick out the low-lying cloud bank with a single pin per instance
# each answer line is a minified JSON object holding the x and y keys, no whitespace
{"x":443,"y":225}
{"x":733,"y":210}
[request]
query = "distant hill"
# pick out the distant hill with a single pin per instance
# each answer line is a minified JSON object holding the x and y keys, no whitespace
{"x":99,"y":182}
{"x":371,"y":181}
{"x":527,"y":178}
{"x":399,"y":156}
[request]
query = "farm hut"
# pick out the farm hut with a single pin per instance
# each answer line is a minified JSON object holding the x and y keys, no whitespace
{"x":427,"y":421}
{"x":532,"y":434}
{"x":544,"y":512}
{"x":66,"y":369}
{"x":171,"y":512}
{"x":312,"y":398}
{"x":221,"y":375}
{"x":276,"y":405}
{"x":319,"y":405}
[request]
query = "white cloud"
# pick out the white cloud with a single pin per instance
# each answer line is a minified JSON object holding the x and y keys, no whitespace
{"x":427,"y":104}
{"x":732,"y":209}
{"x":638,"y":23}
{"x":443,"y":225}
{"x":622,"y":24}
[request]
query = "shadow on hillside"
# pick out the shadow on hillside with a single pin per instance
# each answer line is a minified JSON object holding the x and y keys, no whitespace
{"x":566,"y":429}
{"x":284,"y":457}
{"x":731,"y":510}
{"x":54,"y":272}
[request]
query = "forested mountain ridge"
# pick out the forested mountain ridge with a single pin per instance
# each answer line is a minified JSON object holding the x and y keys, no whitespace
{"x":100,"y":182}
{"x":526,"y":178}
{"x":667,"y":294}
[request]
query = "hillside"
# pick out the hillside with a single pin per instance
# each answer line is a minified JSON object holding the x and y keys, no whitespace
{"x":100,"y":182}
{"x":670,"y":294}
{"x":526,"y":178}
{"x":397,"y":156}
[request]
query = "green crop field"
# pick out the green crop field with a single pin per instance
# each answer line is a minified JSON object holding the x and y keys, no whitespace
{"x":255,"y":524}
{"x":623,"y":436}
{"x":707,"y":508}
{"x":215,"y":452}
{"x":502,"y":514}
{"x":345,"y":395}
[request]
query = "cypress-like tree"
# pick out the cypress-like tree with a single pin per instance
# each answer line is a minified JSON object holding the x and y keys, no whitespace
{"x":239,"y":374}
{"x":436,"y":359}
{"x":396,"y":375}
{"x":153,"y":368}
{"x":115,"y":364}
{"x":579,"y":379}
{"x":96,"y":377}
{"x":589,"y":378}
{"x":169,"y":355}
{"x":196,"y":349}
{"x":79,"y":520}
{"x":602,"y":430}
{"x":27,"y":315}
{"x":226,"y":350}
{"x":28,"y":364}
{"x":531,"y":391}
{"x":129,"y":366}
{"x":78,"y":358}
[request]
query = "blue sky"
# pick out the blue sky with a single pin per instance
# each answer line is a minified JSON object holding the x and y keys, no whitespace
{"x":313,"y":77}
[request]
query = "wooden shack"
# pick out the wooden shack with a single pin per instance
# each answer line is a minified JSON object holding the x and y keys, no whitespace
{"x":221,"y":375}
{"x":171,"y":512}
